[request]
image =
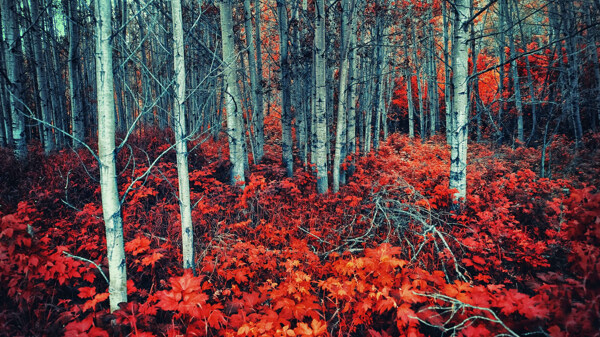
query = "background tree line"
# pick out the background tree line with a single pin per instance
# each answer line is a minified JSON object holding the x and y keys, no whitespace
{"x":340,"y":75}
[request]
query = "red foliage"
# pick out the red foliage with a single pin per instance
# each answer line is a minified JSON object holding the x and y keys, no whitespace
{"x":387,"y":256}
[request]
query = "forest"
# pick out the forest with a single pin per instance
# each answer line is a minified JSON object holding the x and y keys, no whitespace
{"x":300,"y":168}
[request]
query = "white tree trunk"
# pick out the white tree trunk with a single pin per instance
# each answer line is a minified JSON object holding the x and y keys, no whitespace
{"x":382,"y":67}
{"x":232,"y":96}
{"x":422,"y":116}
{"x":255,"y":96}
{"x":352,"y":97}
{"x":447,"y":84}
{"x":458,"y":165}
{"x":411,"y":106}
{"x":187,"y":230}
{"x":320,"y":100}
{"x":111,"y":206}
{"x":340,"y":134}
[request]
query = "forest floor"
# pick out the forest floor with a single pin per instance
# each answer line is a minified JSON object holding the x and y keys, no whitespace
{"x":389,"y":255}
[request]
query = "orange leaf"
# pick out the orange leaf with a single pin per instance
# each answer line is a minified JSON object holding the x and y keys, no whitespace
{"x":303,"y":329}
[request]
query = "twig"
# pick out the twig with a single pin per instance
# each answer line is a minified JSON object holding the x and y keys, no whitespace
{"x":88,"y":261}
{"x":457,"y":305}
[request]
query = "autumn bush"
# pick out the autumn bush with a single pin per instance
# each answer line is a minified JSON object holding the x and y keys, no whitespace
{"x":389,"y":255}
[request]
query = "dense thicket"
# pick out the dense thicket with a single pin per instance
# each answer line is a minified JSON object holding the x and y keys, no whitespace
{"x":299,"y":167}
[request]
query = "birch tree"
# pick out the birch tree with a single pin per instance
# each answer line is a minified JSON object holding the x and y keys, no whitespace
{"x":256,"y":92}
{"x":447,"y":84}
{"x":111,"y":207}
{"x":12,"y":48}
{"x":286,"y":109}
{"x":459,"y":132}
{"x":352,"y":90}
{"x":5,"y":121}
{"x":340,"y":134}
{"x":77,"y":116}
{"x":185,"y":207}
{"x":320,"y":139}
{"x":43,"y":98}
{"x":232,"y":96}
{"x":513,"y":69}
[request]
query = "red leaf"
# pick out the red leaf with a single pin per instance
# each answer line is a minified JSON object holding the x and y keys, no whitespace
{"x":404,"y":316}
{"x":87,"y":292}
{"x":479,"y":260}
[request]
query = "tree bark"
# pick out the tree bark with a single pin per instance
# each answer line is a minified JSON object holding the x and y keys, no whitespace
{"x":45,"y":108}
{"x":111,"y":207}
{"x":286,"y":109}
{"x":514,"y":71}
{"x":232,"y":96}
{"x":259,"y":117}
{"x":380,"y":89}
{"x":320,"y":100}
{"x":5,"y":124}
{"x":185,"y":207}
{"x":75,"y":85}
{"x":447,"y":84}
{"x":422,"y":121}
{"x":340,"y":134}
{"x":255,"y":96}
{"x":352,"y":86}
{"x":458,"y":165}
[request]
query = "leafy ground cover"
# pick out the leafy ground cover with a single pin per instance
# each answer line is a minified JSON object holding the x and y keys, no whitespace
{"x":390,"y":255}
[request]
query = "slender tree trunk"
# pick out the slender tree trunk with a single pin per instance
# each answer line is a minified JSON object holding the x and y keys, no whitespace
{"x":48,"y":136}
{"x":411,"y":106}
{"x":573,"y":95}
{"x":380,"y":90}
{"x":259,"y":117}
{"x":235,"y":127}
{"x":389,"y":83}
{"x":187,"y":230}
{"x":458,"y":155}
{"x":432,"y":84}
{"x":352,"y":86}
{"x":254,"y":81}
{"x":501,"y":103}
{"x":340,"y":134}
{"x":77,"y":116}
{"x":300,"y":91}
{"x":13,"y":71}
{"x":593,"y":54}
{"x":320,"y":99}
{"x":56,"y":84}
{"x":3,"y":138}
{"x":4,"y":109}
{"x":532,"y":94}
{"x":368,"y":106}
{"x":474,"y":97}
{"x":111,"y":206}
{"x":447,"y":84}
{"x":514,"y":71}
{"x":422,"y":122}
{"x":5,"y":122}
{"x":286,"y":109}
